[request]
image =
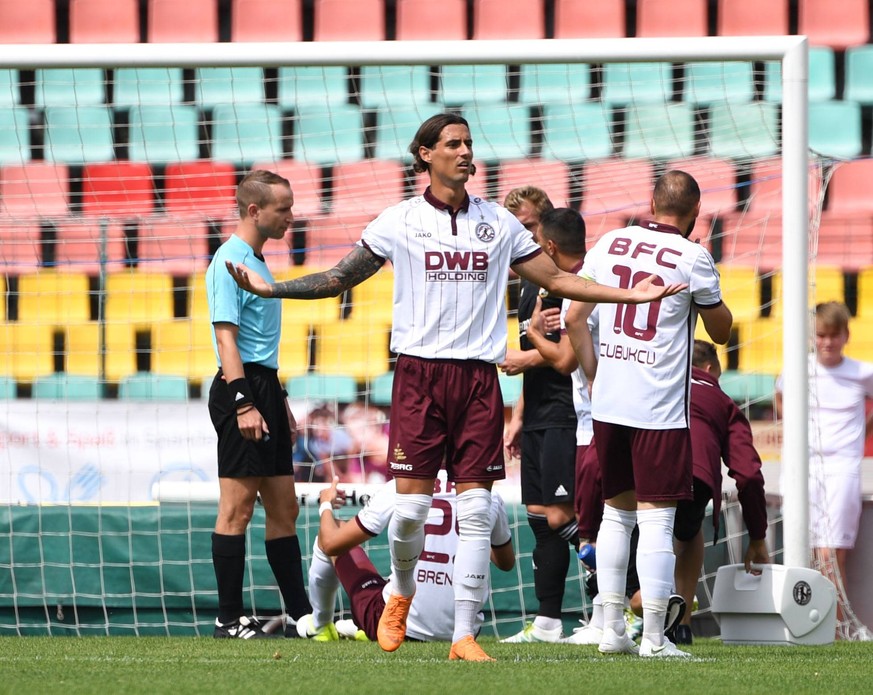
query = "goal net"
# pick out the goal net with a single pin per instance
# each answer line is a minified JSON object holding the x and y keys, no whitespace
{"x":117,"y":180}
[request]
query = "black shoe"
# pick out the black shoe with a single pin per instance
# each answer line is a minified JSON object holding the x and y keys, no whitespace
{"x":682,"y":635}
{"x":244,"y":628}
{"x":675,"y":613}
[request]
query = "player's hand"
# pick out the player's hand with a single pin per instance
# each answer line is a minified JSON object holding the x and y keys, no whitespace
{"x":514,"y":363}
{"x":249,"y":280}
{"x":757,"y":554}
{"x":337,"y":498}
{"x":647,"y":291}
{"x":512,"y":439}
{"x":252,"y":425}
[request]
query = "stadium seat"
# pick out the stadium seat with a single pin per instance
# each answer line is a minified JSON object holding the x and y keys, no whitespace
{"x":395,"y":128}
{"x":659,"y":18}
{"x":9,"y":89}
{"x":760,"y":346}
{"x":752,"y":17}
{"x":554,"y":83}
{"x":472,"y":84}
{"x":746,"y":389}
{"x":310,"y":312}
{"x":740,"y":131}
{"x":717,"y":179}
{"x":138,"y":297}
{"x":741,"y":289}
{"x":88,"y":245}
{"x":381,"y":388}
{"x":846,"y":242}
{"x":341,"y":388}
{"x":355,"y":347}
{"x":368,"y":186}
{"x":294,"y":350}
{"x":706,"y":83}
{"x":266,"y":20}
{"x":20,"y":242}
{"x":861,"y":343}
{"x":835,"y":128}
{"x":78,"y":135}
{"x":865,"y":295}
{"x":14,"y":135}
{"x":62,"y":386}
{"x":826,"y":283}
{"x":244,"y":133}
{"x":384,"y":86}
{"x":500,"y":131}
{"x":183,"y":347}
{"x":172,"y":245}
{"x":104,"y":21}
{"x":626,"y":83}
{"x":69,"y":87}
{"x":552,"y":176}
{"x":329,"y":135}
{"x":850,"y":191}
{"x":82,"y":345}
{"x":304,"y":86}
{"x":234,"y":85}
{"x":192,"y":21}
{"x":765,"y":187}
{"x":163,"y":133}
{"x":838,"y":25}
{"x":349,"y":20}
{"x":26,"y":350}
{"x":617,"y":186}
{"x":200,"y":188}
{"x":859,"y":64}
{"x":54,"y":297}
{"x":34,"y":190}
{"x":120,"y":358}
{"x":146,"y":386}
{"x":330,"y":237}
{"x":590,"y":20}
{"x":658,"y":131}
{"x":821,"y":81}
{"x":373,"y":299}
{"x":147,"y":87}
{"x":508,"y":19}
{"x":306,"y":182}
{"x":8,"y":388}
{"x":117,"y":189}
{"x":422,"y":20}
{"x":30,"y":22}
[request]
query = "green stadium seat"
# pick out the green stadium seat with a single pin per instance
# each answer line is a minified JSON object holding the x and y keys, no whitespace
{"x":67,"y":387}
{"x":145,"y":386}
{"x":554,"y":83}
{"x":245,"y":133}
{"x":163,"y":133}
{"x":748,"y":388}
{"x":237,"y":85}
{"x":306,"y":86}
{"x":574,"y":132}
{"x":394,"y":85}
{"x":859,"y":67}
{"x":14,"y":135}
{"x":510,"y":387}
{"x":380,"y":389}
{"x":706,"y":83}
{"x":147,"y":86}
{"x":835,"y":128}
{"x":500,"y":131}
{"x":395,"y":128}
{"x":744,"y":131}
{"x":329,"y":135}
{"x":8,"y":388}
{"x":78,"y":135}
{"x":69,"y":87}
{"x":659,"y":131}
{"x":9,"y":94}
{"x":822,"y":80}
{"x":625,"y":83}
{"x":323,"y":387}
{"x":473,"y":84}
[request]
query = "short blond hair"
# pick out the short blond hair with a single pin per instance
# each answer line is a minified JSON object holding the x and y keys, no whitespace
{"x":537,"y":197}
{"x":832,"y":316}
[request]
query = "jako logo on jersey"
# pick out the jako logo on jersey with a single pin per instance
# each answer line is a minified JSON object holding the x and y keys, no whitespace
{"x":484,"y":232}
{"x":449,"y":266}
{"x":498,"y":467}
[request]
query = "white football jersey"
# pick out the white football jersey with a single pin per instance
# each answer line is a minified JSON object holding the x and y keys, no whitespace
{"x":644,"y":350}
{"x":450,"y":273}
{"x":432,"y":614}
{"x":581,"y":397}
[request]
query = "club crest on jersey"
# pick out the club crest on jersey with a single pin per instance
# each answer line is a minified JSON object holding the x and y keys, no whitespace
{"x":484,"y":232}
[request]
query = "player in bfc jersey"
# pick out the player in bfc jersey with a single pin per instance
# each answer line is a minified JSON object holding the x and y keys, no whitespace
{"x":432,"y":613}
{"x":451,"y":254}
{"x":640,"y":402}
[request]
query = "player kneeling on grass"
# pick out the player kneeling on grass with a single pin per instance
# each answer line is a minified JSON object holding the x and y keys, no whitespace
{"x":338,"y":559}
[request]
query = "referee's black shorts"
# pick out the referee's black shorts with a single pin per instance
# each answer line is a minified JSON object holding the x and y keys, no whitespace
{"x":243,"y":458}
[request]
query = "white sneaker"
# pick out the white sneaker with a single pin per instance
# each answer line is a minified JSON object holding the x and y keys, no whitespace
{"x":348,"y":630}
{"x":613,"y":643}
{"x":534,"y":633}
{"x":665,"y":651}
{"x":587,"y":634}
{"x":306,"y":629}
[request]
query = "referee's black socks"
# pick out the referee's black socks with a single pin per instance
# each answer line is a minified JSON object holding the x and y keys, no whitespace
{"x":283,"y":554}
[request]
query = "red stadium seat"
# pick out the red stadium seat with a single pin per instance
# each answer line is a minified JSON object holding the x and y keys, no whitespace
{"x":266,"y":20}
{"x":117,"y":189}
{"x":192,"y":21}
{"x":589,"y":20}
{"x":349,"y":20}
{"x":305,"y":181}
{"x":368,"y":186}
{"x":598,"y":225}
{"x":80,"y":245}
{"x":419,"y":20}
{"x":835,"y":24}
{"x":672,"y":18}
{"x":765,"y":188}
{"x":27,"y":22}
{"x":552,"y":176}
{"x":20,"y":242}
{"x":618,"y":187}
{"x":851,"y":188}
{"x":35,"y":189}
{"x":330,"y":237}
{"x":172,"y":245}
{"x":752,"y":17}
{"x":508,"y":19}
{"x":752,"y":240}
{"x":104,"y":21}
{"x":845,"y":241}
{"x":200,"y":188}
{"x":717,"y":180}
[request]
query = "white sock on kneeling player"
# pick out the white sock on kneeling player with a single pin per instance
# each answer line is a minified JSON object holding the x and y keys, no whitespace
{"x":406,"y":539}
{"x":471,"y":574}
{"x":323,"y":587}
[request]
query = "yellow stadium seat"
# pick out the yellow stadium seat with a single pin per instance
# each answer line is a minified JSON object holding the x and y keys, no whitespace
{"x":26,"y":350}
{"x":358,"y":348}
{"x":183,"y":347}
{"x":741,"y":289}
{"x":860,"y":345}
{"x":865,"y":293}
{"x":139,"y":297}
{"x":120,"y":350}
{"x":53,"y":297}
{"x":512,"y":338}
{"x":826,"y":283}
{"x":294,"y":350}
{"x":760,"y":345}
{"x":373,"y":299}
{"x":82,"y":349}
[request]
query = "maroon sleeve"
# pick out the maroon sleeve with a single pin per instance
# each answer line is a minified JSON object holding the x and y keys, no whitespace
{"x":744,"y":466}
{"x":589,"y":492}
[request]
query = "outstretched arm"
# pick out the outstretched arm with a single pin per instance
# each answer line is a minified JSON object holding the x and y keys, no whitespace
{"x":357,"y":266}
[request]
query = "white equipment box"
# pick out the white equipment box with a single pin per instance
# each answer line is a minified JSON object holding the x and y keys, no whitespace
{"x":781,"y":606}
